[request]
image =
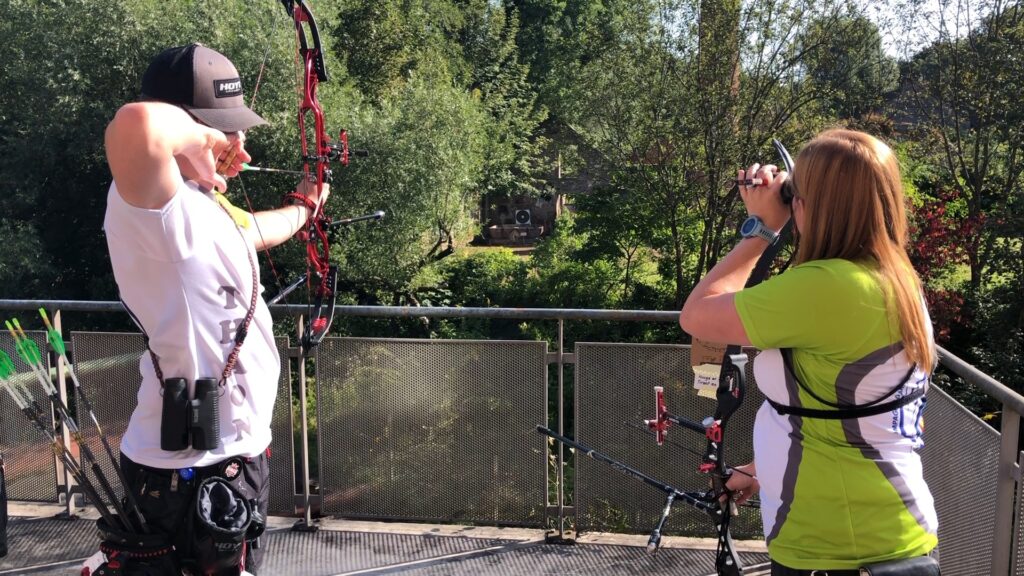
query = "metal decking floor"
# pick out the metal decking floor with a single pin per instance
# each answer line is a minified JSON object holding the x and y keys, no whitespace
{"x":47,"y":546}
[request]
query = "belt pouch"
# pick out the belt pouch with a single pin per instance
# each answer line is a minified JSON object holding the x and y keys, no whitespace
{"x":222,"y":519}
{"x":130,"y":554}
{"x":919,"y":566}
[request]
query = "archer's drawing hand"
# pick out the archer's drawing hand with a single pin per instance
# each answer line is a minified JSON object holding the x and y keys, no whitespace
{"x":743,"y":483}
{"x":230,"y":161}
{"x":202,"y":153}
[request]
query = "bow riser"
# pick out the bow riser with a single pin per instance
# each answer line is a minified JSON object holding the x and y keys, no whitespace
{"x":317,"y":154}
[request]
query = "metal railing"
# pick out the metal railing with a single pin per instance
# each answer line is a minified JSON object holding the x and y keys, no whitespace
{"x":1008,"y":478}
{"x":380,"y":402}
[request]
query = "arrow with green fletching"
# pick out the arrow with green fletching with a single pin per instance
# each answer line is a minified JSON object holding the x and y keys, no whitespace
{"x":29,"y":352}
{"x":6,"y":366}
{"x":27,"y":404}
{"x":56,"y":340}
{"x":27,"y":349}
{"x":6,"y":371}
{"x":19,"y":391}
{"x":57,"y":343}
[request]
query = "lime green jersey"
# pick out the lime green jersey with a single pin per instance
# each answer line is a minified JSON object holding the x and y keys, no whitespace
{"x":836,"y":494}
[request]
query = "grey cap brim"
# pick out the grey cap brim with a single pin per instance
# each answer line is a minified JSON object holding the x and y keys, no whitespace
{"x":228,"y":119}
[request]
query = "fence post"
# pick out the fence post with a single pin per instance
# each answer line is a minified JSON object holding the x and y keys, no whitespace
{"x":306,"y":524}
{"x":561,"y":428}
{"x":65,"y":433}
{"x":1006,"y":484}
{"x":1018,"y":553}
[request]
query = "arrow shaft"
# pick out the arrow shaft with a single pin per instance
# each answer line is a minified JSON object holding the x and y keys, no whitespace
{"x":248,"y":168}
{"x":22,"y":404}
{"x":55,"y":336}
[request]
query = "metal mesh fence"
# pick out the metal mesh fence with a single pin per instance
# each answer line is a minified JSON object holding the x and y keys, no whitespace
{"x":432,"y":430}
{"x":31,"y":474}
{"x":1018,"y":541}
{"x":444,"y":430}
{"x":614,"y":390}
{"x":107,"y":365}
{"x":961,"y":461}
{"x":282,"y":445}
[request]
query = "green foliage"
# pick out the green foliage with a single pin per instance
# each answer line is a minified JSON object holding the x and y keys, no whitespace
{"x":617,"y":225}
{"x":488,"y":278}
{"x":967,"y":141}
{"x":426,"y":149}
{"x":846,"y":61}
{"x":468,"y":44}
{"x":961,"y":89}
{"x":558,"y":38}
{"x":23,"y":268}
{"x":61,"y":82}
{"x":673,"y":109}
{"x":500,"y":79}
{"x":483,"y":279}
{"x":381,"y":42}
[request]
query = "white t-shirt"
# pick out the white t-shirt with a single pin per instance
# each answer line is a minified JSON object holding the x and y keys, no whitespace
{"x":184,"y":272}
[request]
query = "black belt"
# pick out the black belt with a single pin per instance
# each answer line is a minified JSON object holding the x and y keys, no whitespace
{"x":780,"y":570}
{"x":919,"y":566}
{"x":227,"y":468}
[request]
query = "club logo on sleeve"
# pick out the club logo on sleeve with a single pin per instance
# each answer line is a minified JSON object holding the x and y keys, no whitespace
{"x":227,"y":88}
{"x":232,"y":468}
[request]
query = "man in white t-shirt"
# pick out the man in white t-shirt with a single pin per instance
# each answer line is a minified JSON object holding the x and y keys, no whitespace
{"x":185,"y":263}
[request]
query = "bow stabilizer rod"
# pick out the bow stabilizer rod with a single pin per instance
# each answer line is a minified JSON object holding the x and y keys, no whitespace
{"x":703,"y":501}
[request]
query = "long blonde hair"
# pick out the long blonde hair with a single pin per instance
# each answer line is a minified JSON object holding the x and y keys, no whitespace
{"x":854,"y":208}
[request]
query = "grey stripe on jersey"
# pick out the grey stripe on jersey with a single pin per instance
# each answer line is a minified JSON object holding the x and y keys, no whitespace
{"x":846,"y":389}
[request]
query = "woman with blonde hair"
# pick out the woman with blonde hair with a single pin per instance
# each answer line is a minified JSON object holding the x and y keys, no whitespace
{"x":846,"y":356}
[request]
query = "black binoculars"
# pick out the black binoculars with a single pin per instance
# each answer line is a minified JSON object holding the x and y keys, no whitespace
{"x":188,"y":423}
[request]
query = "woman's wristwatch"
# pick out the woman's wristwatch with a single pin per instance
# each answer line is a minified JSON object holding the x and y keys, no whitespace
{"x":753,"y":227}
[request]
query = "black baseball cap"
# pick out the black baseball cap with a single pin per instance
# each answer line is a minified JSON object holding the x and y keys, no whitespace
{"x":203,"y":82}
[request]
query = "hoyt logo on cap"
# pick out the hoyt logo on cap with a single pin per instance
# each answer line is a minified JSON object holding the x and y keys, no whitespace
{"x":203,"y":82}
{"x":227,"y":88}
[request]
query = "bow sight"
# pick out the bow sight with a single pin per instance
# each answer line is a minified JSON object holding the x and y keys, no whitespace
{"x":336,"y":152}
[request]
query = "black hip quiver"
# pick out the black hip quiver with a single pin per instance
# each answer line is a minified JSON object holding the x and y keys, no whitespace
{"x":131,"y":554}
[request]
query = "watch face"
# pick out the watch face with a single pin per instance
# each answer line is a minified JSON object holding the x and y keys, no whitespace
{"x":748,"y":227}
